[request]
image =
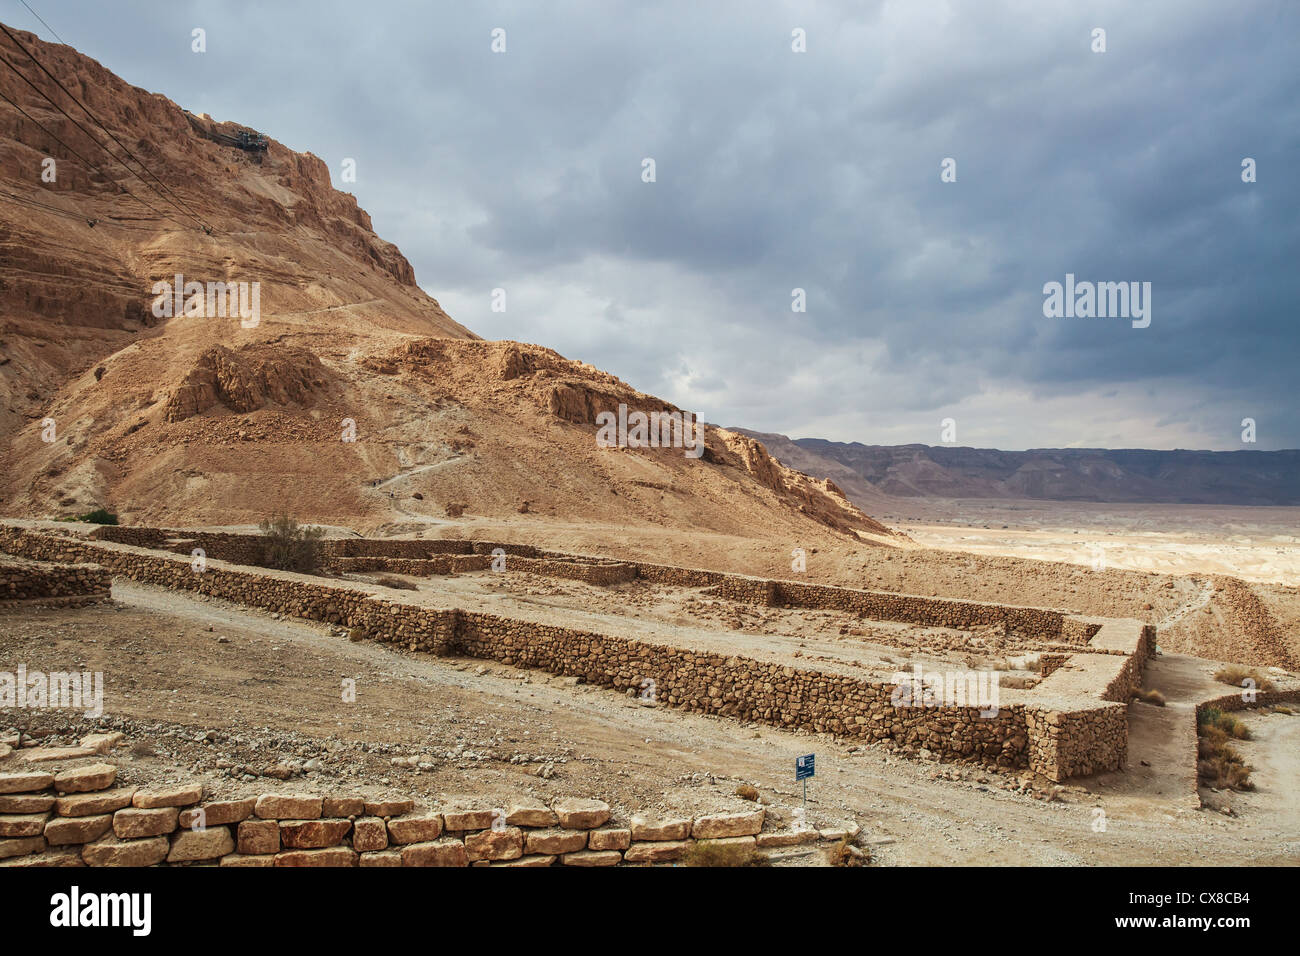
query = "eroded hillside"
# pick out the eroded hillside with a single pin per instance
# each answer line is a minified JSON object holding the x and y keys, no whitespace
{"x":350,"y":397}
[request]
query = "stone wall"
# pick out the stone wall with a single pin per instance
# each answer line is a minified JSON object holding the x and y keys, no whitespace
{"x":744,"y":688}
{"x":394,"y":548}
{"x":603,"y":573}
{"x":84,"y":817}
{"x":1028,"y":622}
{"x":1078,"y":722}
{"x":37,"y":580}
{"x":416,"y":567}
{"x":1048,"y":663}
{"x":1067,"y":726}
{"x":221,"y":546}
{"x":138,"y":537}
{"x":1069,"y":743}
{"x":1263,"y":698}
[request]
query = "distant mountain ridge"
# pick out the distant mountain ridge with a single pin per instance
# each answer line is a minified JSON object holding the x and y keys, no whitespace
{"x":867,"y":472}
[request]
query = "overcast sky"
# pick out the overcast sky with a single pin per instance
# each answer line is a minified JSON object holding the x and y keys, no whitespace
{"x":818,"y":170}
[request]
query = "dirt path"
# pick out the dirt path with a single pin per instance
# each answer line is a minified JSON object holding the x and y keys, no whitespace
{"x":1161,"y":771}
{"x":1274,"y":757}
{"x":1195,"y":604}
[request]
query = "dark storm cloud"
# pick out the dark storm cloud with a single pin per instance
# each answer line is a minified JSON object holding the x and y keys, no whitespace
{"x":818,"y":170}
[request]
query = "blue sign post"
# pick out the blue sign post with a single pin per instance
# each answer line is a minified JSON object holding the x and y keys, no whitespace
{"x":805,"y":767}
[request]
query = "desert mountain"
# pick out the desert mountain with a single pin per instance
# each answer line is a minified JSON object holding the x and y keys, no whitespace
{"x":867,"y":473}
{"x":350,"y":397}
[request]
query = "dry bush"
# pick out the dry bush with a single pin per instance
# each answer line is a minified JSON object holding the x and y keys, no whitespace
{"x":1219,"y":764}
{"x":1151,"y":697}
{"x":290,"y":546}
{"x":706,"y":853}
{"x":747,"y":792}
{"x":1230,"y":724}
{"x":1234,"y":674}
{"x":845,"y":853}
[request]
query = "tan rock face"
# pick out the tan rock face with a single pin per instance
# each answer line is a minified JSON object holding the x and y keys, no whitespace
{"x":592,"y":858}
{"x":787,"y":838}
{"x":658,"y":852}
{"x":89,"y":804}
{"x":44,"y":754}
{"x":60,"y":856}
{"x":103,"y":743}
{"x":388,"y":808}
{"x":244,"y":380}
{"x":209,"y":844}
{"x":169,"y":797}
{"x":26,"y":803}
{"x":132,"y":822}
{"x":414,"y":829}
{"x":728,"y":825}
{"x":532,"y":813}
{"x":579,"y":814}
{"x":662,"y":830}
{"x":272,"y":806}
{"x":441,"y":853}
{"x":333,"y":856}
{"x":310,"y":834}
{"x":554,"y":842}
{"x":370,"y":833}
{"x":610,"y":840}
{"x":528,"y":861}
{"x":23,"y":824}
{"x":238,"y":859}
{"x":108,"y":850}
{"x":381,"y":858}
{"x":507,"y":844}
{"x":98,"y":776}
{"x":468,"y":819}
{"x":217,"y":813}
{"x":69,"y":830}
{"x":21,"y":846}
{"x":343,"y":806}
{"x":259,"y":836}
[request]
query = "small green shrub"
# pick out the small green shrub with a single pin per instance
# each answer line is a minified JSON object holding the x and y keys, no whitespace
{"x":98,"y":516}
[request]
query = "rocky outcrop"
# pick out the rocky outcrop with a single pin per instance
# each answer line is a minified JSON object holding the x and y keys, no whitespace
{"x":245,"y":381}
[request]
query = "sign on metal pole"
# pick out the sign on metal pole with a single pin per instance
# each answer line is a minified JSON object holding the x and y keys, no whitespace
{"x":805,"y":767}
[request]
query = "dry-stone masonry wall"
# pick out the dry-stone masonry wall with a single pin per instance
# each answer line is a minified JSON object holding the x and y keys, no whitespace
{"x":1074,"y":722}
{"x":37,"y":580}
{"x":83,"y":816}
